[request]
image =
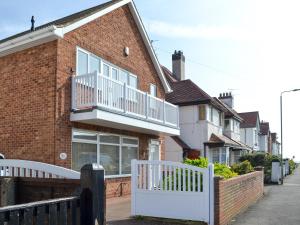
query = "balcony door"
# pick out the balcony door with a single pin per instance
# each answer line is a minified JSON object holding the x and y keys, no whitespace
{"x":154,"y":150}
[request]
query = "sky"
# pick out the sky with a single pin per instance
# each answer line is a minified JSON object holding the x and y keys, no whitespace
{"x":248,"y":47}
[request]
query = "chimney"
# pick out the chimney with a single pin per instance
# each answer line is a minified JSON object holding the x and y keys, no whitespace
{"x":227,"y":99}
{"x":178,"y":65}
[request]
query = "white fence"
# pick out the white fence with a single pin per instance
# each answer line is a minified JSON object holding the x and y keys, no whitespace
{"x":23,"y":168}
{"x":172,"y":190}
{"x":96,"y":90}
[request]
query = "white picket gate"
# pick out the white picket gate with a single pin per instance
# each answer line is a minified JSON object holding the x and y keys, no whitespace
{"x":172,"y":190}
{"x":24,"y":168}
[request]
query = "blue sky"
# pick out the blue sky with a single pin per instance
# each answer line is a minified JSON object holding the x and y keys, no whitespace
{"x":250,"y":47}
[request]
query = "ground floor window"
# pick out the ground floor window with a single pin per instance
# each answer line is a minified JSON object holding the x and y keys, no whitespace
{"x":218,"y":155}
{"x":113,"y":152}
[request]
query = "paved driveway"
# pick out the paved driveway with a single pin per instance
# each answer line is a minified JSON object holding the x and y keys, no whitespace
{"x":280,"y":205}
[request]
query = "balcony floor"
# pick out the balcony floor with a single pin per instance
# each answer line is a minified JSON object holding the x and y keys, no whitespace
{"x":122,"y":121}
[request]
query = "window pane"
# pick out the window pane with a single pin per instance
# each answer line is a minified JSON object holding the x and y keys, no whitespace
{"x":130,"y":141}
{"x":133,"y":81}
{"x":94,"y":64}
{"x":153,"y":91}
{"x":83,"y":154}
{"x":82,"y":66}
{"x":123,"y":77}
{"x":110,"y":139}
{"x":128,"y":153}
{"x":109,"y":159}
{"x":114,"y":73}
{"x":84,"y":136}
{"x":105,"y":70}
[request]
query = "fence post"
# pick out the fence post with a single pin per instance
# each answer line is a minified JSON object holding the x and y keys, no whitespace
{"x":92,"y":198}
{"x":133,"y":185}
{"x":211,"y":194}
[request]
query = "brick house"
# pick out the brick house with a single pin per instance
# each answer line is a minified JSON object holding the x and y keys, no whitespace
{"x":85,"y":88}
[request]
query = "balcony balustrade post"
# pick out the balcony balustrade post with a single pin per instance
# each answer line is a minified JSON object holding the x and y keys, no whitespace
{"x":146,"y":105}
{"x":73,"y":78}
{"x":125,"y":97}
{"x":177,"y":116}
{"x":96,"y":88}
{"x":164,"y":112}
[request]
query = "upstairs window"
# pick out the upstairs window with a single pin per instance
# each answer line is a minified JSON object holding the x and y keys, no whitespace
{"x":202,"y":112}
{"x":153,"y":90}
{"x":90,"y":63}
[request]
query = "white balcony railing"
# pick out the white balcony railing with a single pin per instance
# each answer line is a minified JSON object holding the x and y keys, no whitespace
{"x":96,"y":90}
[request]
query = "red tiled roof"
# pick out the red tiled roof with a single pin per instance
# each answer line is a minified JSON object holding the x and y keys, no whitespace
{"x":250,"y":119}
{"x":264,"y":128}
{"x":186,"y":92}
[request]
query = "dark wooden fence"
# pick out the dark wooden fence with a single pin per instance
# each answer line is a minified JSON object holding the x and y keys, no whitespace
{"x":86,"y":208}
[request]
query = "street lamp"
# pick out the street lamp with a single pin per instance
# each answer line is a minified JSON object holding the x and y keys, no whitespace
{"x":281,"y":161}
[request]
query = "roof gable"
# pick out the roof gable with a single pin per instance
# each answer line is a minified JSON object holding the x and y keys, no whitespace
{"x":58,"y":28}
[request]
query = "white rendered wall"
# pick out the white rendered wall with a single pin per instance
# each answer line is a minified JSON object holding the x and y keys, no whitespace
{"x":173,"y":152}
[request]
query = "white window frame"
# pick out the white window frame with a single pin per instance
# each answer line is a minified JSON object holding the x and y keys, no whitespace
{"x":98,"y":143}
{"x":150,"y":88}
{"x":102,"y":61}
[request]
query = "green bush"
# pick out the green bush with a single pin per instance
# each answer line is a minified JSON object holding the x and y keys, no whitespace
{"x":219,"y":169}
{"x":224,"y":171}
{"x":242,"y":168}
{"x":200,"y":162}
{"x":261,"y":159}
{"x":292,"y":165}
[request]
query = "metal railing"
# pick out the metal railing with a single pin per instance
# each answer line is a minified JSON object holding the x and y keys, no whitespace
{"x":97,"y":90}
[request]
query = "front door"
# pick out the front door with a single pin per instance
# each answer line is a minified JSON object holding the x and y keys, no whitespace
{"x":154,"y":150}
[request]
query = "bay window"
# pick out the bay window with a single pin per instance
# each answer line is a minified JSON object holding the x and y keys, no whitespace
{"x":113,"y":152}
{"x":90,"y":63}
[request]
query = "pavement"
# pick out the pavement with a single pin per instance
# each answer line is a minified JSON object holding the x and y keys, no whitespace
{"x":279,"y":206}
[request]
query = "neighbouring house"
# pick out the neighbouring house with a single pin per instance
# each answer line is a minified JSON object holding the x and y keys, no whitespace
{"x":201,"y":120}
{"x":250,"y":129}
{"x":276,"y":147}
{"x":85,"y":88}
{"x":265,"y":139}
{"x":231,"y":128}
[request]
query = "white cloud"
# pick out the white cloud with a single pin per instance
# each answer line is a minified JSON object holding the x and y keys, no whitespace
{"x":199,"y":31}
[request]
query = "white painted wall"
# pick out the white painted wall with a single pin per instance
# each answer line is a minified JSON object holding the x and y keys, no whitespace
{"x":173,"y":152}
{"x":248,"y":137}
{"x":193,"y":131}
{"x":233,"y":130}
{"x":263,"y":143}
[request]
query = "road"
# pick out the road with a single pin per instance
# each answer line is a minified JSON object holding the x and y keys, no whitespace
{"x":279,"y":206}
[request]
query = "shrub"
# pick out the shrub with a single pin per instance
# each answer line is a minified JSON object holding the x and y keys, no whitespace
{"x":292,"y":165}
{"x":219,"y":169}
{"x":242,"y":168}
{"x":200,"y":162}
{"x":261,"y":159}
{"x":224,"y":171}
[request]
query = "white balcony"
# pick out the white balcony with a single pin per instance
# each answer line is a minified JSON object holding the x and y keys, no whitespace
{"x":100,"y":100}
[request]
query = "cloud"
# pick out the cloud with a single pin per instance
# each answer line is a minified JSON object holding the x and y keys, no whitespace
{"x":199,"y":31}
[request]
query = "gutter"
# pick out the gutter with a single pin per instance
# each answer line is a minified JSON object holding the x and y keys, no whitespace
{"x":31,"y":39}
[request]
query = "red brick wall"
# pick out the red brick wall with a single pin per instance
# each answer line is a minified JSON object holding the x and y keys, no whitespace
{"x":234,"y":195}
{"x":105,"y":37}
{"x":27,"y":103}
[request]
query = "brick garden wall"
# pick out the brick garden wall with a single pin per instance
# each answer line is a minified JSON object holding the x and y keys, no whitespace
{"x":234,"y":195}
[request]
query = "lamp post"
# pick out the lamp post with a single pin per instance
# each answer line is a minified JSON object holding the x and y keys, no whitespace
{"x":281,"y":137}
